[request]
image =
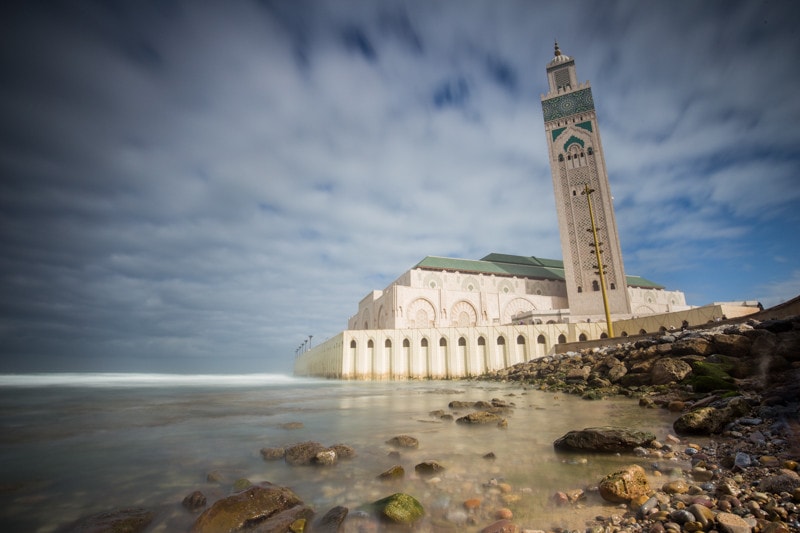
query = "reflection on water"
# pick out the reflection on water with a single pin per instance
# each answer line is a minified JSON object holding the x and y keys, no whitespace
{"x":66,"y":452}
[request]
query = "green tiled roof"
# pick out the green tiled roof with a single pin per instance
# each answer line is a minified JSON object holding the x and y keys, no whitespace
{"x":515,"y":265}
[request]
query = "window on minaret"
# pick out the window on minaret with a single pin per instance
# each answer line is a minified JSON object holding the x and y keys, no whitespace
{"x":561,"y":78}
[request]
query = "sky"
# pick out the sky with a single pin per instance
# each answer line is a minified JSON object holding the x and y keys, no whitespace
{"x":197,"y":187}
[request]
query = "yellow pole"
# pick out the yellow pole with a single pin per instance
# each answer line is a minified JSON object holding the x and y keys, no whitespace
{"x":587,"y":191}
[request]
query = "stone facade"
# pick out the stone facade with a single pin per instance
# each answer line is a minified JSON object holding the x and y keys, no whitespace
{"x":578,"y":169}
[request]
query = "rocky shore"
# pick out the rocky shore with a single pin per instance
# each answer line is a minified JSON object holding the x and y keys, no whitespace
{"x":729,"y":466}
{"x":735,"y":390}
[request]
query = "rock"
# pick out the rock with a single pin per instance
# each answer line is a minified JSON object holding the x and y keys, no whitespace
{"x":702,"y":514}
{"x":132,"y":520}
{"x":786,"y":482}
{"x":731,"y":523}
{"x":343,"y":451}
{"x":403,"y":441}
{"x":669,"y":370}
{"x":607,"y":439}
{"x":272,"y":454}
{"x":624,"y":485}
{"x":480,"y":417}
{"x":693,"y":346}
{"x":395,"y":472}
{"x":241,"y":484}
{"x":399,"y":508}
{"x":501,"y":526}
{"x":194,"y":501}
{"x":330,"y":522}
{"x":703,"y":421}
{"x":303,"y":453}
{"x":428,"y":468}
{"x":254,"y":505}
{"x":616,"y":372}
{"x":325,"y":457}
{"x":732,"y":345}
{"x":577,"y":374}
{"x":678,"y":486}
{"x":292,"y":425}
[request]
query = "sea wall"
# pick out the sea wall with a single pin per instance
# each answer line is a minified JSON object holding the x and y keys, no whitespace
{"x":436,"y":353}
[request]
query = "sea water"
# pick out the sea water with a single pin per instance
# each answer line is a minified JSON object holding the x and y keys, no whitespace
{"x":72,"y":445}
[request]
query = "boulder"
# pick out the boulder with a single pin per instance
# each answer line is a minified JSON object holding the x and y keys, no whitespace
{"x":624,"y":485}
{"x":428,"y":468}
{"x":669,"y":370}
{"x":395,"y":472}
{"x":480,"y":417}
{"x":577,"y":374}
{"x":789,"y":345}
{"x":607,"y":439}
{"x":303,"y":453}
{"x":399,"y":508}
{"x":343,"y":451}
{"x":403,"y":441}
{"x":616,"y":372}
{"x":731,"y":523}
{"x":272,"y":454}
{"x":132,"y":520}
{"x":703,"y":421}
{"x":787,"y":481}
{"x":693,"y":346}
{"x":732,"y":345}
{"x":330,"y":522}
{"x":194,"y":501}
{"x":245,"y":509}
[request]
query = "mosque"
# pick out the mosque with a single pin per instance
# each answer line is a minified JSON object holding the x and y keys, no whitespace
{"x":451,"y":318}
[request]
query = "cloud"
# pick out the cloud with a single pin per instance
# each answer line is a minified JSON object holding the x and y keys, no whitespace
{"x":194,"y":187}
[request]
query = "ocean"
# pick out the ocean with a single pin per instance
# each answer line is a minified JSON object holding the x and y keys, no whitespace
{"x":72,"y":445}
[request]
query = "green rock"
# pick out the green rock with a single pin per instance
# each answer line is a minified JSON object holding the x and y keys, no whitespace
{"x":708,"y":377}
{"x":241,"y":484}
{"x":399,"y":508}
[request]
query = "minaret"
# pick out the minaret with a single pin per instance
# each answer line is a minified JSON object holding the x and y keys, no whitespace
{"x":576,"y":160}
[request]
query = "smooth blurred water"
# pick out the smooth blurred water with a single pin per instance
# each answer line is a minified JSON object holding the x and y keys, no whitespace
{"x":77,"y":444}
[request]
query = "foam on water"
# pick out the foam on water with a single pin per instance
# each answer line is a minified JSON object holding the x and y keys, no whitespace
{"x":112,"y":379}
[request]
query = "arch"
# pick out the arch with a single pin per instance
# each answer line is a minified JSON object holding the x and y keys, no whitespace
{"x":515,"y":307}
{"x":595,"y":285}
{"x":406,"y":343}
{"x":421,"y":314}
{"x":502,"y":352}
{"x":424,"y":342}
{"x":541,"y":339}
{"x":470,"y":284}
{"x":463,"y":315}
{"x":462,"y":341}
{"x":388,"y":343}
{"x":604,"y":335}
{"x":370,"y":343}
{"x":562,"y":339}
{"x":624,"y":333}
{"x":382,"y":316}
{"x":481,"y":341}
{"x":353,"y":344}
{"x":642,"y":331}
{"x":442,"y":342}
{"x":582,"y":337}
{"x":365,"y":318}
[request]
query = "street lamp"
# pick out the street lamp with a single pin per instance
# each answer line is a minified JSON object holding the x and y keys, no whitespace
{"x":597,"y":252}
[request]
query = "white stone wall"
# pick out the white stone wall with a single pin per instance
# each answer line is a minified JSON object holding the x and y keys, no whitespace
{"x":652,"y":301}
{"x":424,"y":298}
{"x":436,"y":353}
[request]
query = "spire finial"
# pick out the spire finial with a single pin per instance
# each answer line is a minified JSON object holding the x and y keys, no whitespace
{"x":558,"y":50}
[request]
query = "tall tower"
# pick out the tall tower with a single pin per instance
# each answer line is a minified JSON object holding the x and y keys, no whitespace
{"x":576,"y":160}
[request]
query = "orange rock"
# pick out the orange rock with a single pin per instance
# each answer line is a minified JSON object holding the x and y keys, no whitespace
{"x":504,"y":514}
{"x":472,"y":504}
